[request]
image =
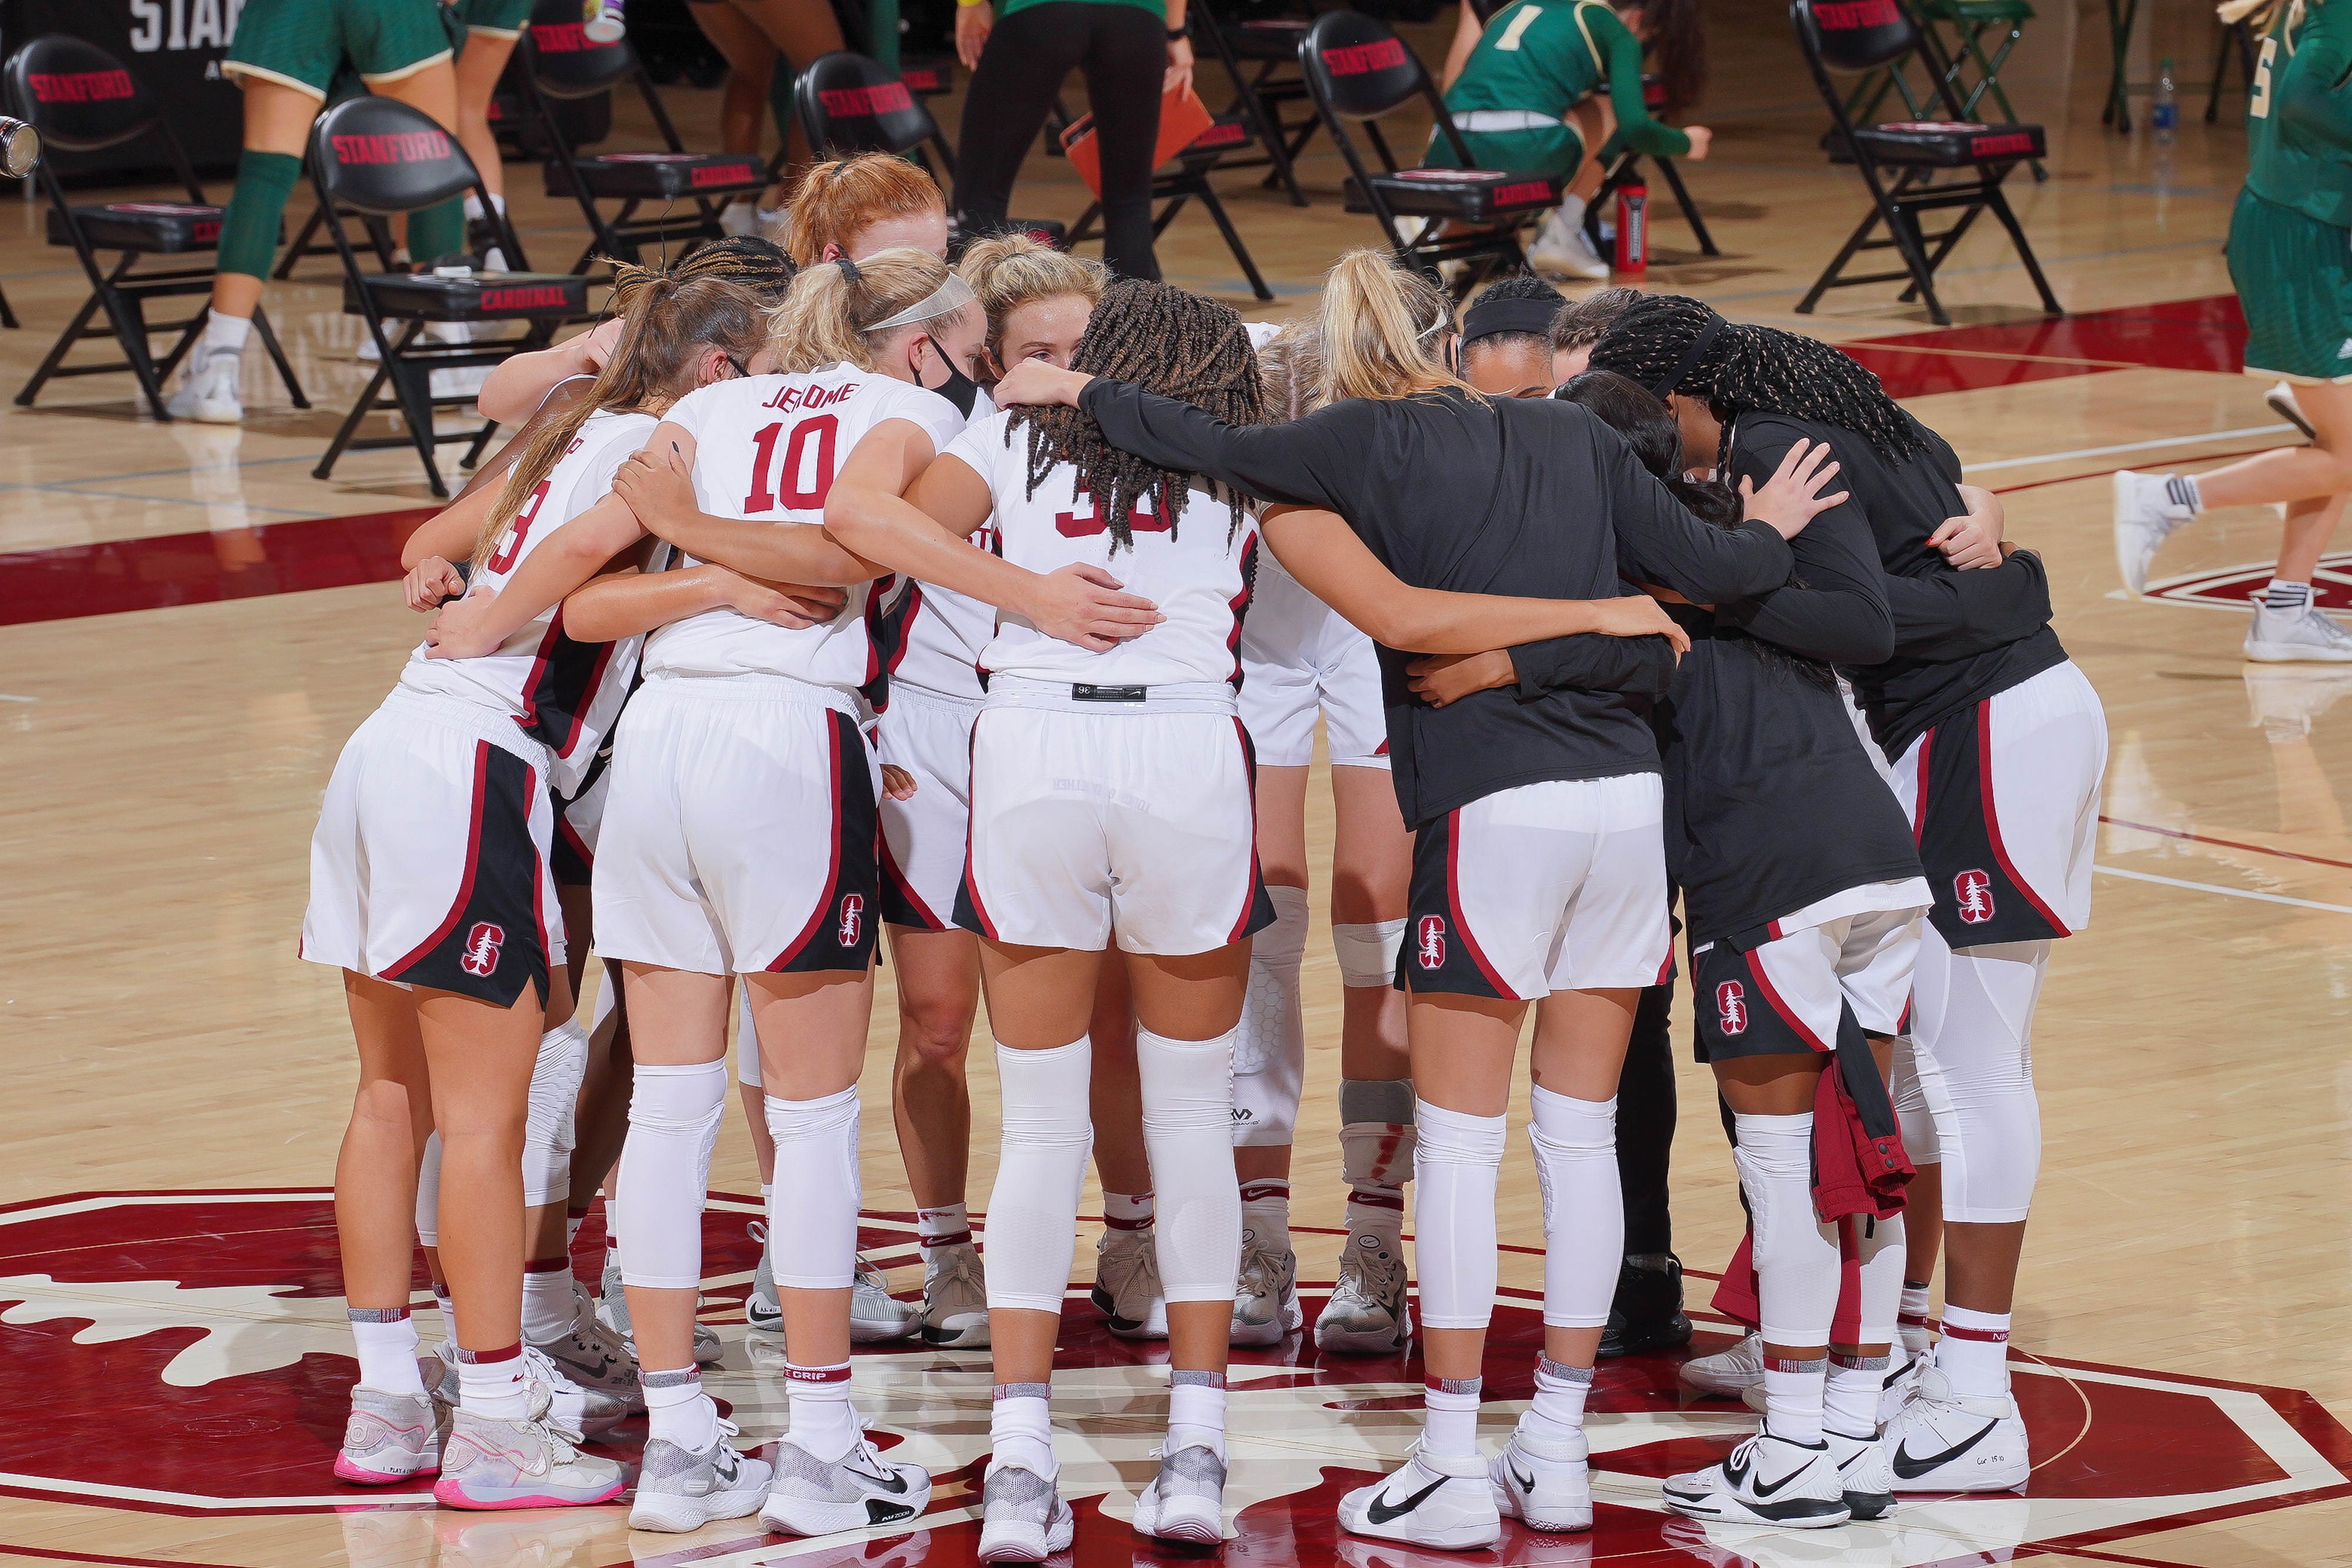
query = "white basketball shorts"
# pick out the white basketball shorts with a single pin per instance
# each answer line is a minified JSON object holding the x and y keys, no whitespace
{"x":578,"y":821}
{"x":1298,"y":656}
{"x":923,"y":839}
{"x":1791,"y":995}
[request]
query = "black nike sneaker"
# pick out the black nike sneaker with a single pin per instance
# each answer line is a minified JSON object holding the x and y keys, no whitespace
{"x":1442,"y":1500}
{"x":1945,"y":1441}
{"x":1767,"y":1481}
{"x":1646,"y":1314}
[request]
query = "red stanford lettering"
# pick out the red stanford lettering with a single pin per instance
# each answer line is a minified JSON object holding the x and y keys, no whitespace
{"x":398,"y":147}
{"x":1363,"y":59}
{"x":1221,"y":136}
{"x":1972,"y":890}
{"x":806,"y":398}
{"x":890,"y":98}
{"x":922,"y":78}
{"x":1844,"y":15}
{"x":723,"y":175}
{"x":568,"y":38}
{"x":81,"y":87}
{"x":1993,"y":146}
{"x":1527,"y":193}
{"x":537,"y":297}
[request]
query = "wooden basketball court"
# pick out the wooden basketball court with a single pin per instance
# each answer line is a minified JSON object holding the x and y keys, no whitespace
{"x":191,"y":625}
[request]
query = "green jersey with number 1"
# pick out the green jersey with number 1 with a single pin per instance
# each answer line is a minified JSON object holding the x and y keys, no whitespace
{"x":2299,"y":115}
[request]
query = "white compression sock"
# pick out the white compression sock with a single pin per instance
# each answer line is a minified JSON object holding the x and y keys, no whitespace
{"x":950,"y":1225}
{"x":1266,"y":1211}
{"x":1793,"y":1395}
{"x":679,"y":1411}
{"x":386,"y":1339}
{"x":824,"y":1423}
{"x":1188,"y":1118}
{"x":1850,"y":1398}
{"x":491,"y":1385}
{"x":1019,"y":1433}
{"x":441,"y":1299}
{"x":1196,"y":1411}
{"x":1450,"y":1414}
{"x":1879,"y":1248}
{"x":1456,"y":1165}
{"x":1033,"y":1213}
{"x":1974,"y":1351}
{"x":1560,"y":1394}
{"x":1584,"y":1207}
{"x":2283,"y":595}
{"x":547,"y":1136}
{"x":226,"y":334}
{"x":1797,"y":1265}
{"x":665,"y":1173}
{"x":546,"y":1299}
{"x":429,"y":1193}
{"x":813,"y":1221}
{"x":1270,"y":1043}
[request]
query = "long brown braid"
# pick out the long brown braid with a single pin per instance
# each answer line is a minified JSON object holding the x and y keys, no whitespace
{"x":1164,"y":340}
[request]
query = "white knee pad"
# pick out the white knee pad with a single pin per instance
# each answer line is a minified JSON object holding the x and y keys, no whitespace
{"x":813,"y":1205}
{"x":429,"y":1193}
{"x":547,"y":1136}
{"x":1456,"y":1163}
{"x":747,"y":1041}
{"x":1798,"y":1266}
{"x":1368,"y":954}
{"x":1974,"y":1040}
{"x":1188,"y":1109}
{"x":1032,"y":1212}
{"x":1910,"y":1096}
{"x":1583,"y":1206}
{"x":665,"y":1173}
{"x":1270,"y":1046}
{"x":1878,"y":1248}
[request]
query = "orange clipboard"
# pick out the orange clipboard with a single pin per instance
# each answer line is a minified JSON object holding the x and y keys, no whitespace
{"x":1183,"y":117}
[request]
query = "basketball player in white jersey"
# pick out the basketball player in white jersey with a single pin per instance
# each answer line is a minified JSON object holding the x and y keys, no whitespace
{"x":431,"y":889}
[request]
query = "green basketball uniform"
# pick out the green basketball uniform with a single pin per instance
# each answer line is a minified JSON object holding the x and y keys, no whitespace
{"x":1541,"y":57}
{"x":300,"y":43}
{"x":497,"y":18}
{"x":2290,"y":246}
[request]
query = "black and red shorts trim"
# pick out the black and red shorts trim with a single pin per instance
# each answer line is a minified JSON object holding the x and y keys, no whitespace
{"x":493,"y":940}
{"x":1440,"y":953}
{"x":1737,"y":1012}
{"x":1257,"y":909}
{"x":841,"y":930}
{"x":1980,"y":898}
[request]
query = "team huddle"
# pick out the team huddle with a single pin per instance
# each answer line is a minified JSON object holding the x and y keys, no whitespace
{"x":774,"y":629}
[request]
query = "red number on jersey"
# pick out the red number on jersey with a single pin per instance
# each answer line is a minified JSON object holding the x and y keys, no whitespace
{"x":511,"y":546}
{"x":825,"y":427}
{"x":1072,"y":526}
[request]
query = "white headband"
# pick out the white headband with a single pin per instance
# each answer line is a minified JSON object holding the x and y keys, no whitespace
{"x":945,"y":300}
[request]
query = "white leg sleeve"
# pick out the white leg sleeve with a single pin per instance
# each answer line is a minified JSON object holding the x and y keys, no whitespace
{"x":1909,"y":1091}
{"x":1975,"y":1039}
{"x":1797,"y":1261}
{"x":1032,"y":1212}
{"x":1188,"y":1111}
{"x":1878,"y":1247}
{"x":665,"y":1173}
{"x":813,"y":1208}
{"x":1270,"y":1046}
{"x":547,"y":1134}
{"x":747,"y":1041}
{"x":429,"y":1193}
{"x":1455,"y":1162}
{"x":1583,"y":1206}
{"x":1367,"y":953}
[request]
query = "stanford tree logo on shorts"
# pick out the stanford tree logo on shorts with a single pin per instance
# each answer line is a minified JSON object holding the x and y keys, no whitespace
{"x":853,"y":919}
{"x":1972,"y":890}
{"x":482,"y":944}
{"x":1433,"y":942}
{"x":1731,"y":1008}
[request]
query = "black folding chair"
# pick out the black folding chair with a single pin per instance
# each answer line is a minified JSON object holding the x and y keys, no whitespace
{"x":83,"y":100}
{"x":1627,"y":170}
{"x":1271,"y":44}
{"x":1189,"y":181}
{"x":559,"y":63}
{"x":1854,"y":36}
{"x":1359,"y":70}
{"x":378,"y":155}
{"x":848,"y":103}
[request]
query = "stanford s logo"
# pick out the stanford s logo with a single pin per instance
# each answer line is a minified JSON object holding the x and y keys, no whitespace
{"x":1433,"y":942}
{"x":1731,"y":1008}
{"x":482,"y":944}
{"x":853,"y":919}
{"x":1972,"y":890}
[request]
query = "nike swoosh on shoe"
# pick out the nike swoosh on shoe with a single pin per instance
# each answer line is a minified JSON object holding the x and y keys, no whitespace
{"x":1911,"y":1468}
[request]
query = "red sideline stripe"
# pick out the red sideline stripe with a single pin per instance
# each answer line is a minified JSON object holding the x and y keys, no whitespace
{"x":203,"y":568}
{"x":2225,"y":844}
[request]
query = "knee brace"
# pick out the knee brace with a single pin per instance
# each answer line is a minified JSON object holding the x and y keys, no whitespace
{"x":547,"y":1138}
{"x":249,"y":236}
{"x":1270,"y":1045}
{"x":665,"y":1173}
{"x":429,"y":1193}
{"x":1976,"y":1072}
{"x":1583,"y":1206}
{"x":813,"y":1207}
{"x":1455,"y":1162}
{"x":747,"y":1041}
{"x":1368,"y":954}
{"x":1188,"y":1111}
{"x":1798,"y":1266}
{"x":1032,"y":1212}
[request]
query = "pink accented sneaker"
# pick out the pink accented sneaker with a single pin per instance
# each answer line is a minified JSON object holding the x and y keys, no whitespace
{"x":487,"y":1463}
{"x":390,"y":1438}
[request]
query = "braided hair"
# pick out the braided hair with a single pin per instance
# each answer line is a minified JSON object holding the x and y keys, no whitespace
{"x":1760,"y":369}
{"x":1167,"y":342}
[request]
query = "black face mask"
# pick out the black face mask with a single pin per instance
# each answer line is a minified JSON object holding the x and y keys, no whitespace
{"x":957,"y":389}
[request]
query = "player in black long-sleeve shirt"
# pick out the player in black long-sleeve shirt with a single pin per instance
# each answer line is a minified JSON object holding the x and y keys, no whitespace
{"x":1997,"y":745}
{"x":1538,"y":865}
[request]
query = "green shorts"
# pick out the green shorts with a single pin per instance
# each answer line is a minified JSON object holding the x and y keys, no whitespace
{"x":2294,"y":278}
{"x":1547,"y":149}
{"x":299,"y":43}
{"x":498,"y":19}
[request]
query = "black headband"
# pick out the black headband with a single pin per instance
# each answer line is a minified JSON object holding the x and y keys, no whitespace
{"x":1489,"y":317}
{"x":1689,"y":361}
{"x":848,"y":268}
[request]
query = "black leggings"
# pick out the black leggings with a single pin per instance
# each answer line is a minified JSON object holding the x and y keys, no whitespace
{"x":1645,"y":1124}
{"x":1123,"y":49}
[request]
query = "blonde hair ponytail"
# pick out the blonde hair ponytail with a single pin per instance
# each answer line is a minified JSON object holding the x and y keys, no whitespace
{"x":829,"y":314}
{"x":1382,"y":326}
{"x":1012,"y":270}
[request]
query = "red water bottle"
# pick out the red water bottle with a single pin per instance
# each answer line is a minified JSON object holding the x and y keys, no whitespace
{"x":1633,"y":229}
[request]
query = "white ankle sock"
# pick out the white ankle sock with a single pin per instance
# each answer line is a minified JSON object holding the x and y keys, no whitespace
{"x":679,"y":1411}
{"x":1450,"y":1414}
{"x":441,"y":1299}
{"x":1793,"y":1398}
{"x":950,"y":1225}
{"x":1126,"y":1210}
{"x":546,"y":1299}
{"x":1558,"y":1404}
{"x":387,"y":1349}
{"x":1265,"y":1210}
{"x":2283,"y":595}
{"x":1974,"y":1351}
{"x":1850,"y":1398}
{"x":226,"y":334}
{"x":491,"y":1384}
{"x":1019,"y":1430}
{"x":1196,"y":1411}
{"x":824,"y":1424}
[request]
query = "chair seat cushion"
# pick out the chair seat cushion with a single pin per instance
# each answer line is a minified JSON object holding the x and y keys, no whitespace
{"x":160,"y":226}
{"x":484,"y":297}
{"x":661,"y":176}
{"x":1475,"y":196}
{"x":1951,"y":143}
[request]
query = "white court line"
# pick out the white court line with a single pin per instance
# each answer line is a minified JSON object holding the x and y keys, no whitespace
{"x":13,"y":697}
{"x":2128,"y":446}
{"x":2225,"y":892}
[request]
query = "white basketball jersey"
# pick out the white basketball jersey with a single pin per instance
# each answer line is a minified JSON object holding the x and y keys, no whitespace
{"x":766,"y":450}
{"x":563,"y":694}
{"x":1199,"y":574}
{"x":931,"y":636}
